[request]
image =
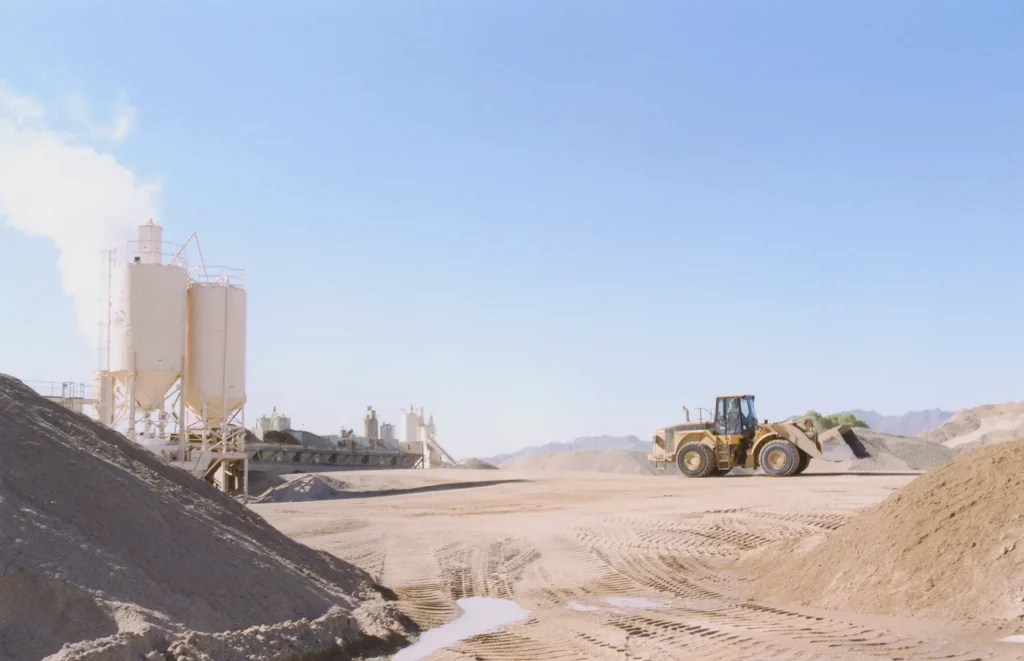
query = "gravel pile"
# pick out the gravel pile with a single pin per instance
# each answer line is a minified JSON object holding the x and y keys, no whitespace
{"x":477,"y":464}
{"x":888,"y":453}
{"x":107,"y":553}
{"x":303,"y":489}
{"x":623,"y":462}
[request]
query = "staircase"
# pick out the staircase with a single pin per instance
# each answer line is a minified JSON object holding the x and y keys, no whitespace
{"x":723,"y":455}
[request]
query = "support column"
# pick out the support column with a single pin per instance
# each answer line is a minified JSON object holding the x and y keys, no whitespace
{"x":131,"y":400}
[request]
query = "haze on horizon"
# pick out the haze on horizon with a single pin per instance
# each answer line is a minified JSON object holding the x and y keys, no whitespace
{"x":538,"y":220}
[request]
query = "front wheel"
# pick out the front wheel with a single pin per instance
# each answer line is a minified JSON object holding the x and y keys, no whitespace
{"x":805,"y":461}
{"x":696,"y":460}
{"x":780,"y":458}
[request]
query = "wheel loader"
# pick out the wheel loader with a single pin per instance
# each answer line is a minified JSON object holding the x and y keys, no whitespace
{"x":732,"y":436}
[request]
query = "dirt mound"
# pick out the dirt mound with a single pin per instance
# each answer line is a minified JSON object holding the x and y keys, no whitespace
{"x":303,"y":488}
{"x":625,"y":462}
{"x":477,"y":464}
{"x":950,"y":544}
{"x":112,"y":554}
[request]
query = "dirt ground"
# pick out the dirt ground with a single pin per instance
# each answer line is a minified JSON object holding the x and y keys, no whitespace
{"x":562,"y":544}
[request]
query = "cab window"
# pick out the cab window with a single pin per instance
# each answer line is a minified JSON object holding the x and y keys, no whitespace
{"x":728,"y":418}
{"x":748,"y":413}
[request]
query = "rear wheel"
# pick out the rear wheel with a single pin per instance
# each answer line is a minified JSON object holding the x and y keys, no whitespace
{"x":780,"y":458}
{"x":696,"y":460}
{"x":805,"y":461}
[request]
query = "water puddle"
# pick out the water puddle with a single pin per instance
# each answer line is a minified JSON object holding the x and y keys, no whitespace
{"x":1012,"y":639}
{"x":577,"y":606}
{"x":636,"y":603}
{"x":480,"y":615}
{"x":618,"y":603}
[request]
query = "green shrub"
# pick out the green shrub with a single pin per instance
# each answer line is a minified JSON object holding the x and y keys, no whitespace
{"x":822,"y":422}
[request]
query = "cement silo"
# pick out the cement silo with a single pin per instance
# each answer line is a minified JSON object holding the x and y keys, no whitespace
{"x":370,"y":424}
{"x":215,"y":357}
{"x":214,"y":390}
{"x":175,"y":334}
{"x":427,"y":429}
{"x":428,"y":442}
{"x":146,"y":351}
{"x":411,"y":430}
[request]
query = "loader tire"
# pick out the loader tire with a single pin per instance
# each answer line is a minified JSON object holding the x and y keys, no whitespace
{"x":805,"y":461}
{"x":780,"y":458}
{"x":696,"y":460}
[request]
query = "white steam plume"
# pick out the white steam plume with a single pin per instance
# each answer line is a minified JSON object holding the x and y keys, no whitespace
{"x":81,"y":199}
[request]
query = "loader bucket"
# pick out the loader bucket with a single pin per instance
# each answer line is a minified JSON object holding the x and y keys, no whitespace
{"x":846,"y":433}
{"x":802,"y":437}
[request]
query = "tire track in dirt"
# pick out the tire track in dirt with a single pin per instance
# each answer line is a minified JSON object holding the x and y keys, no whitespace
{"x":699,"y":613}
{"x":413,"y":573}
{"x":562,"y":548}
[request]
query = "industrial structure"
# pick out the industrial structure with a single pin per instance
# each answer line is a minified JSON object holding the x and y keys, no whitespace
{"x":420,"y":437}
{"x":74,"y":396}
{"x":272,"y":422}
{"x":370,"y":429}
{"x":279,"y":446}
{"x":277,"y":442}
{"x":172,"y":367}
{"x":172,"y":356}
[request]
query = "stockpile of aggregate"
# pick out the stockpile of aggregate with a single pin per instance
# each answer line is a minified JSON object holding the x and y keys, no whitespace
{"x":302,"y":489}
{"x":886,"y":452}
{"x":477,"y":464}
{"x":107,"y":553}
{"x":623,"y":462}
{"x":949,"y":545}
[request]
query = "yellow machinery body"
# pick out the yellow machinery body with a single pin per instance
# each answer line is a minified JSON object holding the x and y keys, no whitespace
{"x":716,"y":446}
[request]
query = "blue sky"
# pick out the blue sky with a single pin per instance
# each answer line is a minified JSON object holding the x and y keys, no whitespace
{"x":544,"y":219}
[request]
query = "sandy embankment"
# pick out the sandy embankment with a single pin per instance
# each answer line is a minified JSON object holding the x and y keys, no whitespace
{"x":108,"y":553}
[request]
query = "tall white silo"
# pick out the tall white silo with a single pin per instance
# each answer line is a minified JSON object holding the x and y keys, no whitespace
{"x":427,"y":429}
{"x":428,"y":439}
{"x":370,"y":424}
{"x":147,"y":324}
{"x":215,"y":358}
{"x":411,"y":430}
{"x":101,"y":387}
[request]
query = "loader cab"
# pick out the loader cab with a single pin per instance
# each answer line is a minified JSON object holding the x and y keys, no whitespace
{"x":735,"y":415}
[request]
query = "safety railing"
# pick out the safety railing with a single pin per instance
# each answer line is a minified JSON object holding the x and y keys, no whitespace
{"x":62,"y":389}
{"x":171,"y":254}
{"x":220,"y":275}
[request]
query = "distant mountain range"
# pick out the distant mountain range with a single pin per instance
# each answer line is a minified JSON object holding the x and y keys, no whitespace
{"x":581,"y":443}
{"x":908,"y":424}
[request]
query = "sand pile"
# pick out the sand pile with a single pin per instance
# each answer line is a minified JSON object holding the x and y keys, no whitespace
{"x":114,"y":555}
{"x":477,"y":464}
{"x":625,"y":462}
{"x":950,"y":544}
{"x":980,"y":426}
{"x":303,"y":488}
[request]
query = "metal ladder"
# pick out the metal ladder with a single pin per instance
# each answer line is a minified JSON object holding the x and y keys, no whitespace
{"x":723,"y":455}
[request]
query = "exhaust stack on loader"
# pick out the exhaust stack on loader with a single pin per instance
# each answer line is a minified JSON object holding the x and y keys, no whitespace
{"x":734,"y":437}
